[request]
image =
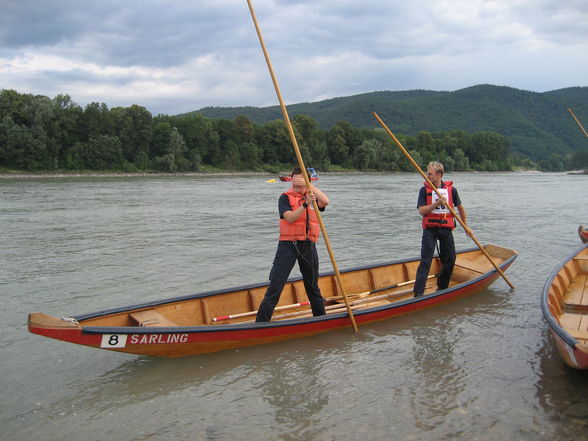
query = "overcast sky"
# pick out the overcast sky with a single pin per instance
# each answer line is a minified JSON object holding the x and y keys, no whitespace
{"x":177,"y":56}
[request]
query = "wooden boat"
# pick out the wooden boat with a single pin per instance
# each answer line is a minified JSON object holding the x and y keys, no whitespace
{"x":565,"y":308}
{"x":219,"y":320}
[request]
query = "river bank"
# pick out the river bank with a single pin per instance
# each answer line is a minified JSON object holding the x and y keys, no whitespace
{"x":19,"y":175}
{"x":61,"y":175}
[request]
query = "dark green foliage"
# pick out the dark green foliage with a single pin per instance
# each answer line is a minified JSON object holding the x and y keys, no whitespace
{"x":101,"y":153}
{"x":39,"y":133}
{"x":537,"y":124}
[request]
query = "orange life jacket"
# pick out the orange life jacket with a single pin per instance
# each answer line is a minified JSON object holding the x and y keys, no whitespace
{"x":306,"y":227}
{"x":441,"y":216}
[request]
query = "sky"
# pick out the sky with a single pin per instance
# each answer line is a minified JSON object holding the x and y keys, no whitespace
{"x":175,"y":56}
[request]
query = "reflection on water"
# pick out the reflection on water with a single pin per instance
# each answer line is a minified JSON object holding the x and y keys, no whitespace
{"x":481,"y":368}
{"x":559,"y":394}
{"x":295,"y":392}
{"x":439,"y":378}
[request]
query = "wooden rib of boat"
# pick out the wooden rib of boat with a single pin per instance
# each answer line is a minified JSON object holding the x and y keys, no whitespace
{"x":220,"y":320}
{"x":565,"y":308}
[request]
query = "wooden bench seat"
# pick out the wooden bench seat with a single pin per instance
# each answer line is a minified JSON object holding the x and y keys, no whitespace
{"x":579,"y":335}
{"x":476,"y":267}
{"x":151,"y":318}
{"x":574,"y":322}
{"x":577,"y":292}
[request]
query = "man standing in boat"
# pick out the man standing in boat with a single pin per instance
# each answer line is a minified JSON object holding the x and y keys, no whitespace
{"x":299,"y":232}
{"x":438,"y":224}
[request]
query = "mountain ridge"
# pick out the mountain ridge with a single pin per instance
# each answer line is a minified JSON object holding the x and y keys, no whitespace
{"x":537,"y":123}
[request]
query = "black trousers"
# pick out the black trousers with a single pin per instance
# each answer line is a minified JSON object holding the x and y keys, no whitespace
{"x":286,"y":255}
{"x":446,"y":254}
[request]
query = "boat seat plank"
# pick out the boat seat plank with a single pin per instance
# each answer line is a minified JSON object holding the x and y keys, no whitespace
{"x":473,"y":266}
{"x":577,"y":292}
{"x":571,"y":321}
{"x":151,"y":318}
{"x":579,"y":335}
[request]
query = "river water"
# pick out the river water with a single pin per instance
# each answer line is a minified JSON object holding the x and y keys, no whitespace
{"x":483,"y":368}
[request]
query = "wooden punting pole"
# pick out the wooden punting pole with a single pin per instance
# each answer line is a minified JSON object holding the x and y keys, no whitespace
{"x":301,"y":165}
{"x":578,"y":122}
{"x":468,"y":230}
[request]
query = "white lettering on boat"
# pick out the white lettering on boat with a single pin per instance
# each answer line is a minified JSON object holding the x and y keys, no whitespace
{"x":158,"y":339}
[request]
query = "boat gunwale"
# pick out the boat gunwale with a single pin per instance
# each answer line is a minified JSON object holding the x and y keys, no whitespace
{"x":551,"y":321}
{"x":290,"y":322}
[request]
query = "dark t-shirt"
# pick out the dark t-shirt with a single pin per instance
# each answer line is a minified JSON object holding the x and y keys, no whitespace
{"x":423,"y":197}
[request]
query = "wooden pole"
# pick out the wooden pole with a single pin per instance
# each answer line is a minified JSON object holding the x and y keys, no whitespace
{"x":577,"y":122}
{"x":301,"y":164}
{"x":467,"y":229}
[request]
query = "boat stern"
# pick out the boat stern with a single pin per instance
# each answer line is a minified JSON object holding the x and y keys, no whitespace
{"x":64,"y":329}
{"x":40,"y":320}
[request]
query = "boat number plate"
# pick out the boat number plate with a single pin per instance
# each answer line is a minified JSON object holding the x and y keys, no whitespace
{"x":114,"y":341}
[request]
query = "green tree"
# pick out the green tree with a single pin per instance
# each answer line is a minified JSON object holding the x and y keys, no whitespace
{"x":102,"y":153}
{"x":63,"y":131}
{"x":251,"y":156}
{"x":13,"y":104}
{"x":228,"y":138}
{"x":365,"y":155}
{"x":487,"y":146}
{"x":319,"y":155}
{"x":244,"y":129}
{"x":177,"y":148}
{"x":95,"y":121}
{"x":351,"y":135}
{"x":134,"y":128}
{"x":161,"y":138}
{"x":18,"y":146}
{"x":578,"y":160}
{"x":200,"y":136}
{"x":276,"y":143}
{"x":337,"y":147}
{"x":461,"y":162}
{"x":44,"y":152}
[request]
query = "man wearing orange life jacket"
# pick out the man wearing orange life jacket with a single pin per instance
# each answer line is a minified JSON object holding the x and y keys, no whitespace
{"x":299,"y":232}
{"x":438,"y":223}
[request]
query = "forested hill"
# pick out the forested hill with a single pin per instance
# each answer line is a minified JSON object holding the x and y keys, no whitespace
{"x":537,"y":124}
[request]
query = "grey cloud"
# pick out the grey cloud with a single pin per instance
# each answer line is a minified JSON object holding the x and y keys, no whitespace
{"x":148,"y":33}
{"x":199,"y":53}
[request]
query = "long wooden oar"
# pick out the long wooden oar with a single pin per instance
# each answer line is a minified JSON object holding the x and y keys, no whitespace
{"x":355,"y":304}
{"x":301,"y":163}
{"x":222,"y":318}
{"x":578,"y":122}
{"x":469,"y":232}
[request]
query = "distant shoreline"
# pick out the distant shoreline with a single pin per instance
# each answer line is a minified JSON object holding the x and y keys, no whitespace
{"x":121,"y":174}
{"x":49,"y":175}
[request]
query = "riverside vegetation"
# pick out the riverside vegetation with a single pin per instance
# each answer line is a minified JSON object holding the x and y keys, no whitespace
{"x":38,"y":133}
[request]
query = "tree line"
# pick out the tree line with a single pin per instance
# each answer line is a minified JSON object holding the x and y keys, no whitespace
{"x":38,"y":133}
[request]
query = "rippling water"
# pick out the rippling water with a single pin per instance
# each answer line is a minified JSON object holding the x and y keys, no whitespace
{"x":479,"y":369}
